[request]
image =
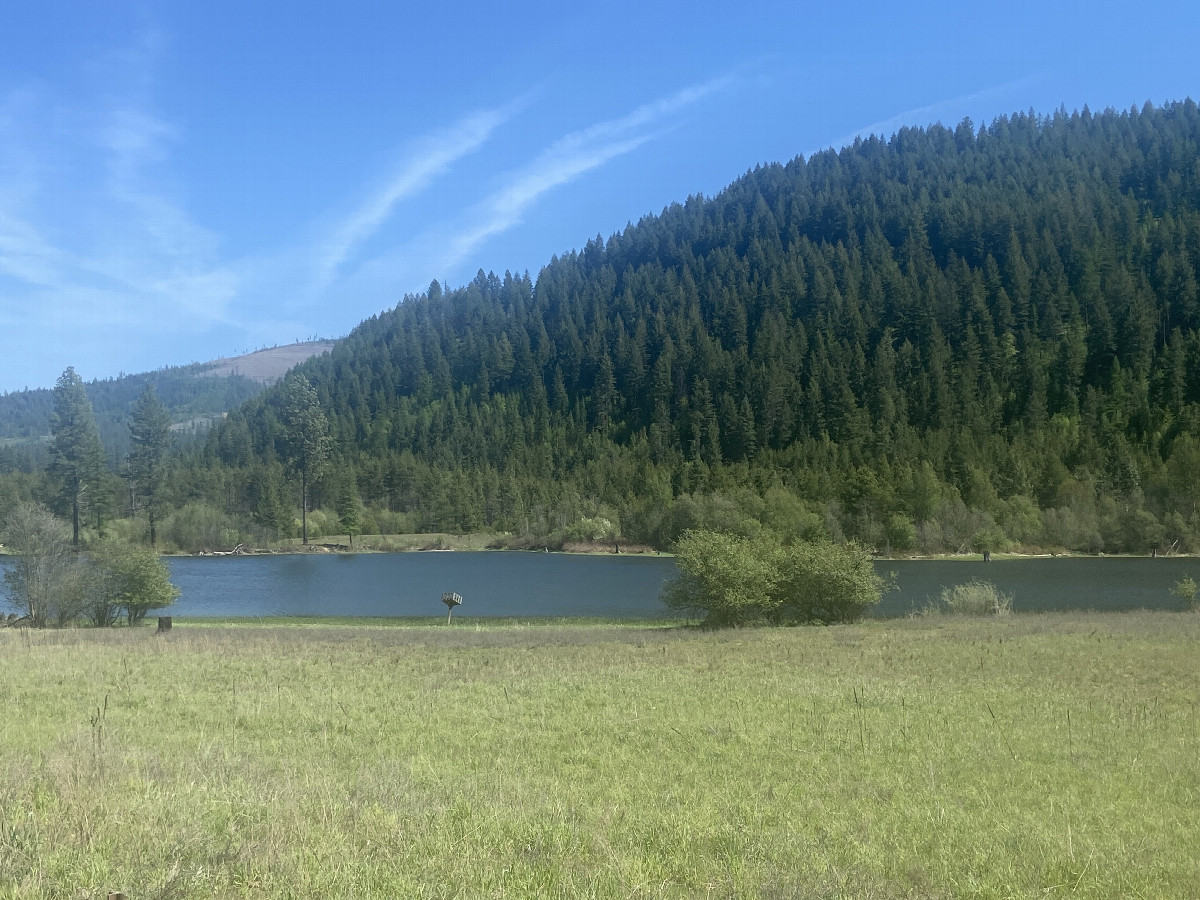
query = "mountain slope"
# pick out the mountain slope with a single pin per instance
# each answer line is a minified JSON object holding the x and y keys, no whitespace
{"x":194,"y":395}
{"x":956,"y":336}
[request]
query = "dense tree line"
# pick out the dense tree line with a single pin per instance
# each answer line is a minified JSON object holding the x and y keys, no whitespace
{"x":958,"y":338}
{"x":186,"y":391}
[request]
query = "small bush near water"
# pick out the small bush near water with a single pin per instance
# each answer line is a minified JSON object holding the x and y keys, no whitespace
{"x":729,"y":581}
{"x":1185,"y":589}
{"x":975,"y":598}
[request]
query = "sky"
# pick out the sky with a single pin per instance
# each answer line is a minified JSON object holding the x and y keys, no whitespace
{"x":184,"y":181}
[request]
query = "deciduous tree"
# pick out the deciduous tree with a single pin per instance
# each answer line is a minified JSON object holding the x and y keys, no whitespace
{"x":127,"y":580}
{"x":44,"y":577}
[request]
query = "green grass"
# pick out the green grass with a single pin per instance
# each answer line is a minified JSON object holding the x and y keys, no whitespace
{"x":1028,"y":756}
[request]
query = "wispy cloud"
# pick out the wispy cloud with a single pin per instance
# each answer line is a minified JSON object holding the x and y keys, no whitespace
{"x":86,"y":222}
{"x":565,"y":160}
{"x":427,"y":159}
{"x":98,"y":248}
{"x":951,"y":108}
{"x":98,"y":255}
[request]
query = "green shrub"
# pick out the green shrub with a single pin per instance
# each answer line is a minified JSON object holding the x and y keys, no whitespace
{"x":726,"y":579}
{"x":384,"y":521}
{"x":823,"y":583}
{"x":730,"y":580}
{"x":901,"y":533}
{"x":975,"y":598}
{"x":321,"y":523}
{"x":1186,"y":589}
{"x":127,"y":579}
{"x":198,"y":526}
{"x":590,"y":528}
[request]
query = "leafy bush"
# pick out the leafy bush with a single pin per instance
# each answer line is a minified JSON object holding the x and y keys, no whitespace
{"x":590,"y":528}
{"x":730,"y":580}
{"x":45,"y":576}
{"x":900,"y":533}
{"x":198,"y":526}
{"x":823,"y":583}
{"x":975,"y":598}
{"x":126,"y":579}
{"x":1186,"y":589}
{"x":51,"y":582}
{"x":727,"y":579}
{"x":384,"y":521}
{"x":321,"y":523}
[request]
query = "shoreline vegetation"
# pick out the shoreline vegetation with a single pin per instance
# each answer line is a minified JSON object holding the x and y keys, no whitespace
{"x":443,"y":543}
{"x":489,"y":541}
{"x":947,"y":756}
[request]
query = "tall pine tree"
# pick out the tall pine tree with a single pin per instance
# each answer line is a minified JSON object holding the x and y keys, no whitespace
{"x":306,"y":441}
{"x":149,"y":438}
{"x":76,"y":455}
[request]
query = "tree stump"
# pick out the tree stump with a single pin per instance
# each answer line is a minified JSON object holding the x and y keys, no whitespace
{"x":164,"y":624}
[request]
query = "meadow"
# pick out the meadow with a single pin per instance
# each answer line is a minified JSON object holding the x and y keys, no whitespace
{"x":1020,"y":756}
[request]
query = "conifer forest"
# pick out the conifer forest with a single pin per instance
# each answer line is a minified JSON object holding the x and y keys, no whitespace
{"x":956,"y":339}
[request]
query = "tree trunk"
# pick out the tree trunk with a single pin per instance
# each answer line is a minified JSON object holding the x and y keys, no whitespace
{"x":304,"y":506}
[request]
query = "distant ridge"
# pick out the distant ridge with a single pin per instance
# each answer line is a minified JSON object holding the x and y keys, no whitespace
{"x":196,"y":396}
{"x":266,"y":366}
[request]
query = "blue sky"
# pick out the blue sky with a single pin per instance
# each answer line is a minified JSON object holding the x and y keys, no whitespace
{"x":181,"y":181}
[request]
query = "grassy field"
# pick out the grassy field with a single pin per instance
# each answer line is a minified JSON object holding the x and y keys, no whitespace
{"x":1028,"y":756}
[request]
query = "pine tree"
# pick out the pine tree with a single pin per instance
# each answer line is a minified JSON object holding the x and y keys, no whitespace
{"x":149,"y":438}
{"x":350,"y":509}
{"x":306,"y":441}
{"x":76,"y":455}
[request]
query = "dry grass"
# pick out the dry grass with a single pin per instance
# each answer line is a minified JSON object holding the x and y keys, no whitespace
{"x":1017,"y":757}
{"x":975,"y":598}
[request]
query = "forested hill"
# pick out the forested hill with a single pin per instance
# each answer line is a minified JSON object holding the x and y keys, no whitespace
{"x":966,"y":336}
{"x":193,"y":395}
{"x":25,"y":416}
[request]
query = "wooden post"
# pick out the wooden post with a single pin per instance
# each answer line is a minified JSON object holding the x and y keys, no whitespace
{"x":164,"y":624}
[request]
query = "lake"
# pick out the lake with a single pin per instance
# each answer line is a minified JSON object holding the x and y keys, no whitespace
{"x":497,"y":583}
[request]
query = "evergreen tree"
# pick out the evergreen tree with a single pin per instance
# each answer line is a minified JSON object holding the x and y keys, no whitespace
{"x":306,"y":441}
{"x":76,"y":455}
{"x":350,"y":509}
{"x":149,"y":438}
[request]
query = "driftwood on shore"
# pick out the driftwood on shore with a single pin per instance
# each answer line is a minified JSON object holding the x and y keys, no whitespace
{"x":236,"y":551}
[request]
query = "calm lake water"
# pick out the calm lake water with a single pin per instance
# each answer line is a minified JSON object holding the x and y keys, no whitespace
{"x":548,"y":584}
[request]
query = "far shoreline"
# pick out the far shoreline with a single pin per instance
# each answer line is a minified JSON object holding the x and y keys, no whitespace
{"x":492,"y":543}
